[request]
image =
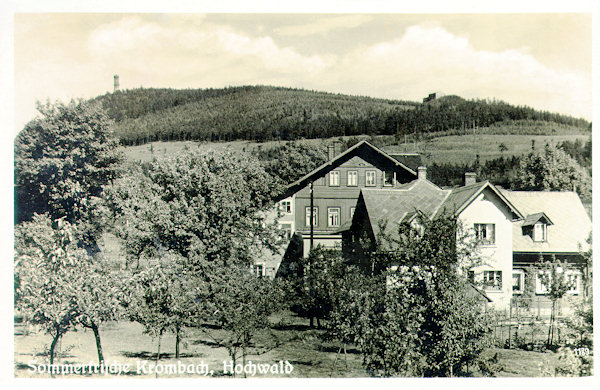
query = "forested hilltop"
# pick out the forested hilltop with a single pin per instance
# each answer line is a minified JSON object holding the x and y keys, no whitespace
{"x":261,"y":113}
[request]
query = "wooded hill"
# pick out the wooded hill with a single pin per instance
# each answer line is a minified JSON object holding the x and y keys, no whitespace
{"x":261,"y":113}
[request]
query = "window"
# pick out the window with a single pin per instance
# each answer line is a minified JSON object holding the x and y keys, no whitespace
{"x":287,"y":228}
{"x":518,"y":281}
{"x":539,"y":232}
{"x":286,"y":206}
{"x":540,"y":288}
{"x":333,"y":216}
{"x":334,"y":178}
{"x":492,"y":280}
{"x":370,"y":179}
{"x":258,"y":270}
{"x":471,"y":277}
{"x":352,"y":210}
{"x":389,"y":178}
{"x":485,"y":233}
{"x":573,"y":278}
{"x":352,"y":178}
{"x":315,"y":216}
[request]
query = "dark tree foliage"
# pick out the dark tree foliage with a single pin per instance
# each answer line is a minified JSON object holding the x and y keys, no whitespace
{"x":63,"y":159}
{"x":552,"y":169}
{"x":581,"y":152}
{"x":290,"y":161}
{"x":205,"y":203}
{"x":419,"y":317}
{"x":313,"y":290}
{"x":262,"y":113}
{"x":499,"y":171}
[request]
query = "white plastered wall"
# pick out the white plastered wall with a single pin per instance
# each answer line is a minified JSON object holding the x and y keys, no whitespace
{"x":487,"y":208}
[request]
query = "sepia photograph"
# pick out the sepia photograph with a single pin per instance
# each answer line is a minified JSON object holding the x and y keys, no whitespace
{"x":327,"y":194}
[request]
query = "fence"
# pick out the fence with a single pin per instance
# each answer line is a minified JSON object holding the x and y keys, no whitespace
{"x":525,"y":323}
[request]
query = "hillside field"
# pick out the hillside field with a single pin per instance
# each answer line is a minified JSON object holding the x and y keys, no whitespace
{"x":444,"y":149}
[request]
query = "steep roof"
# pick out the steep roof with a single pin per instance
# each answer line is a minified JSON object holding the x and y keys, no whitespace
{"x":411,"y":160}
{"x":396,"y":205}
{"x":422,"y":196}
{"x":360,"y":148}
{"x":461,"y":197}
{"x":571,"y":224}
{"x":532,"y":219}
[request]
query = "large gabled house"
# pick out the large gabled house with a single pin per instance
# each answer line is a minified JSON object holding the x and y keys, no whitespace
{"x":513,"y":229}
{"x":332,"y":189}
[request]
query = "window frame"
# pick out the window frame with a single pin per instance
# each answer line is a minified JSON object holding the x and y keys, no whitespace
{"x":256,"y":269}
{"x":485,"y":241}
{"x":355,"y":175}
{"x":287,"y":228}
{"x":335,"y":174}
{"x":315,"y":216}
{"x":374,"y":175}
{"x":544,"y":232}
{"x":330,"y":213}
{"x":283,"y":207}
{"x":393,"y":179}
{"x":540,"y":289}
{"x":574,"y":290}
{"x":521,"y":275}
{"x":493,"y":286}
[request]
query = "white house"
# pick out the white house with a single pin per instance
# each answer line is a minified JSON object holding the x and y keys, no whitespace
{"x":480,"y":207}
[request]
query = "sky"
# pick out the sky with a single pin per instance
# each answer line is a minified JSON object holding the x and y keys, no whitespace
{"x":542,"y":60}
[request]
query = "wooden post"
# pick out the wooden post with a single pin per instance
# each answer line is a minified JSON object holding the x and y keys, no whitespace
{"x":311,"y":216}
{"x":532,"y":340}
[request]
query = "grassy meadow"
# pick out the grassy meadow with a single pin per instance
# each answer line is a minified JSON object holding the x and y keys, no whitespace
{"x":288,"y":338}
{"x":441,"y":148}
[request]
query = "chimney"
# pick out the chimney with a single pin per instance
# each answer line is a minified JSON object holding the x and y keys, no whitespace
{"x":470,"y":178}
{"x":116,"y":83}
{"x":337,"y":148}
{"x":422,"y":173}
{"x":330,"y":152}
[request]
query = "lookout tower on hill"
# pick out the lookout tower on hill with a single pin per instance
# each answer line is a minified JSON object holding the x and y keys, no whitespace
{"x":116,"y":77}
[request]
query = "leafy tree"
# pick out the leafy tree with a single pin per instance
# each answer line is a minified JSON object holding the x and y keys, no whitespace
{"x":210,"y":204}
{"x":240,"y":303}
{"x":163,"y":298}
{"x":315,"y":288}
{"x":50,"y":271}
{"x":551,"y":169}
{"x":291,"y":161}
{"x":132,"y":212}
{"x":62,"y":161}
{"x":554,"y":279}
{"x":99,"y":300}
{"x":502,"y":147}
{"x":417,"y":316}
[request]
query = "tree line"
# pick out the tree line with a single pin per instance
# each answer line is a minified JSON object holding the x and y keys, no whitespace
{"x":260,"y":113}
{"x":562,"y":167}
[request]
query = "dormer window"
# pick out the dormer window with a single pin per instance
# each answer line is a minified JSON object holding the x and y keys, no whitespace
{"x":539,"y":232}
{"x":388,"y":178}
{"x":536,"y":227}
